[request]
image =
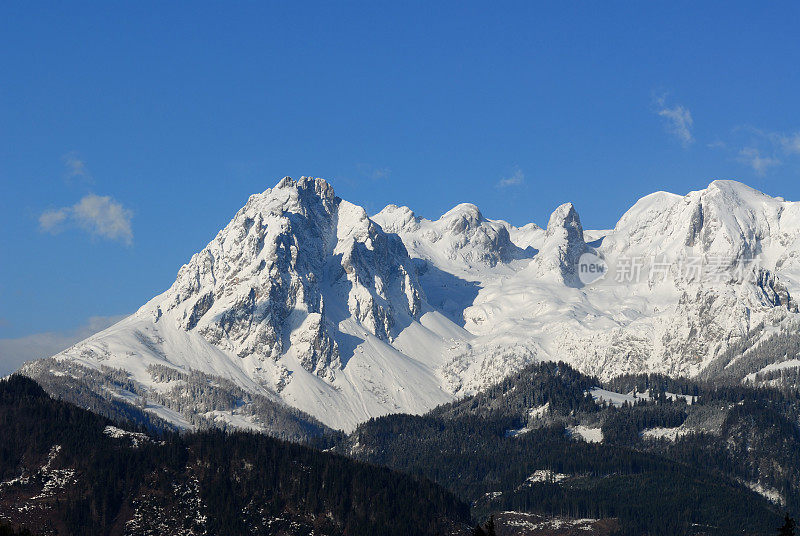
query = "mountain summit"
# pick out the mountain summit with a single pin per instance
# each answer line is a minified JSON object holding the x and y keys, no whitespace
{"x":294,"y":261}
{"x":562,"y":247}
{"x":304,"y":302}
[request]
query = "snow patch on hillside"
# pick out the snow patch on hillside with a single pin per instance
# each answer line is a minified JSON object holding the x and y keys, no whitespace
{"x":771,"y":494}
{"x":586,"y":433}
{"x":546,"y":475}
{"x":135,"y":438}
{"x":669,"y":434}
{"x":783,"y":365}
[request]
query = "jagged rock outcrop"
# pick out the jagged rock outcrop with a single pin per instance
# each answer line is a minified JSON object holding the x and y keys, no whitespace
{"x":562,"y":247}
{"x":262,"y":284}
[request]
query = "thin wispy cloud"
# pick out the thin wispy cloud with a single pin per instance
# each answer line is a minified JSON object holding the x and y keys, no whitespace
{"x":761,"y":150}
{"x":15,"y":352}
{"x":790,"y":143}
{"x":677,"y":120}
{"x":760,"y":163}
{"x":100,"y":216}
{"x":517,"y":178}
{"x":76,"y":167}
{"x":51,"y":221}
{"x":374,"y":173}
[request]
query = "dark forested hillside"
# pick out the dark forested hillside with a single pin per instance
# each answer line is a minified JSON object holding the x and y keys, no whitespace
{"x":544,"y":450}
{"x":555,"y":384}
{"x":64,"y":470}
{"x":660,"y":465}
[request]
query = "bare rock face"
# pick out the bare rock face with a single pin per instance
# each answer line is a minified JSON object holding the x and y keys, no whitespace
{"x":774,"y":290}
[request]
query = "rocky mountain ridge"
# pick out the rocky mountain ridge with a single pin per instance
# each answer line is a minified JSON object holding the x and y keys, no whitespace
{"x":305,"y":300}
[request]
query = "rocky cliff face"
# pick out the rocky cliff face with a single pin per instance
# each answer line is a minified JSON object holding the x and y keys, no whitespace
{"x":263,"y":284}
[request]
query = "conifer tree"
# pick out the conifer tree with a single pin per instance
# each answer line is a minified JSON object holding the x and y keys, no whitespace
{"x":788,"y":527}
{"x":490,"y":527}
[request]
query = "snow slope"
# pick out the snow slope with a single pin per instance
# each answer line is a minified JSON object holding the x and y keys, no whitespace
{"x":307,"y":301}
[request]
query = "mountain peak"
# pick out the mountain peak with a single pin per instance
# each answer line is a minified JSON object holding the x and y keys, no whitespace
{"x":461,"y":234}
{"x":563,"y":245}
{"x":565,"y":217}
{"x":270,"y":280}
{"x":734,"y":194}
{"x":320,"y":186}
{"x":731,"y":185}
{"x":462,"y":217}
{"x":395,"y":219}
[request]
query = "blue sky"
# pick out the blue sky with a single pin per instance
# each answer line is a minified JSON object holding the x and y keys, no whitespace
{"x":131,"y":132}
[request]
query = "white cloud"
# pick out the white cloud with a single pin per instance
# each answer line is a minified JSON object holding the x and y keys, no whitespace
{"x":517,"y":178}
{"x":677,"y":120}
{"x":753,"y":158}
{"x":98,"y":215}
{"x":15,"y":352}
{"x":101,"y":215}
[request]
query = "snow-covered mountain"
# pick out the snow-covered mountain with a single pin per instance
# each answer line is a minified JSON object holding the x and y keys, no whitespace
{"x":305,"y":300}
{"x":687,"y":276}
